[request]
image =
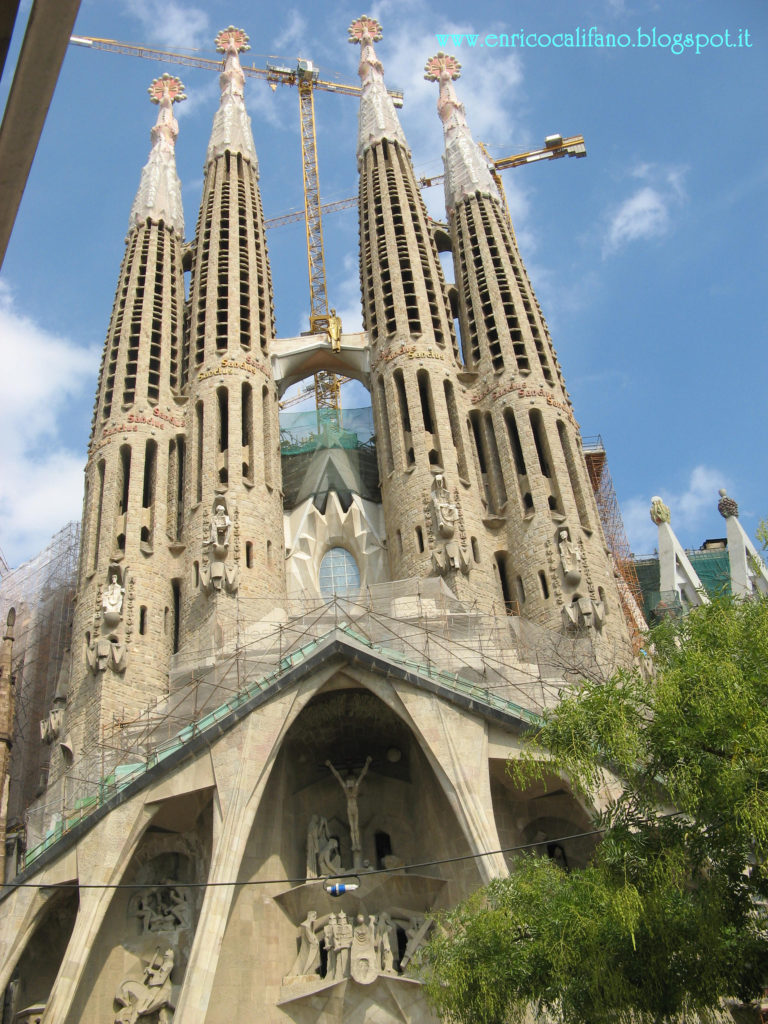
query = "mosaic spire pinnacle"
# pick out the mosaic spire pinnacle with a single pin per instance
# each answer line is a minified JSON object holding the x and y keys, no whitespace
{"x":377,"y":117}
{"x":466,"y":169}
{"x":231,"y":130}
{"x":159,"y":195}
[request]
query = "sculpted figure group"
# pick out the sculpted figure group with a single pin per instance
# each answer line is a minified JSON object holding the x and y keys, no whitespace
{"x":361,"y":950}
{"x":152,"y":995}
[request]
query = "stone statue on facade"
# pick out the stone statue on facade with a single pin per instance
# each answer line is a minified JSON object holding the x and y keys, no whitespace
{"x":329,"y":858}
{"x":217,"y":575}
{"x":334,"y":330}
{"x":53,"y":725}
{"x":317,"y":838}
{"x":221,"y":526}
{"x":351,"y":788}
{"x":329,"y":943}
{"x":106,"y":652}
{"x":447,"y":553}
{"x":308,"y":958}
{"x":583,"y":613}
{"x":139,"y":999}
{"x":444,"y":507}
{"x":163,"y":908}
{"x":343,"y":941}
{"x":112,"y":599}
{"x":570,"y":559}
{"x":364,"y":957}
{"x":387,"y":942}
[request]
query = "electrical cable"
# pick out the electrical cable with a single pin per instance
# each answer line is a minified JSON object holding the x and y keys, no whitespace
{"x":300,"y":881}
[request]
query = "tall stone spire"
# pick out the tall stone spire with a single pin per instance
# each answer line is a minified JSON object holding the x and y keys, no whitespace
{"x":126,"y":612}
{"x":550,"y":555}
{"x":233,"y":523}
{"x":377,"y":119}
{"x":417,"y":395}
{"x":159,"y":195}
{"x":466,"y":170}
{"x":231,"y":130}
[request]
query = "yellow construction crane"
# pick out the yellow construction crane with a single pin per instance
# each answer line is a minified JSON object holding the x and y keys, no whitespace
{"x":322,"y":319}
{"x":555,"y":146}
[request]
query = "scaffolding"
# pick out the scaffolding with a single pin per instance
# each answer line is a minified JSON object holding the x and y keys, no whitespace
{"x":245,"y":651}
{"x":42,"y":591}
{"x":615,"y":536}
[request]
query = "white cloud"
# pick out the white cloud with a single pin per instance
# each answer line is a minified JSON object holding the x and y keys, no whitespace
{"x":646,"y":214}
{"x":172,"y":24}
{"x":690,"y":508}
{"x":295,"y":34}
{"x":41,"y":484}
{"x":202,"y":99}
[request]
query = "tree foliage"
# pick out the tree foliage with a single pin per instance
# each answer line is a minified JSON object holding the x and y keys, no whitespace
{"x":669,"y":918}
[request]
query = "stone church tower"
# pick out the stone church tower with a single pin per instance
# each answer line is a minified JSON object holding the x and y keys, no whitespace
{"x":233,"y":529}
{"x":552,"y":562}
{"x":127,"y":603}
{"x":432,"y":501}
{"x":297,"y":674}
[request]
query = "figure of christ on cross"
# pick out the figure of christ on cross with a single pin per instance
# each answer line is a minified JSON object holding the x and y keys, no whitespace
{"x":351,"y":787}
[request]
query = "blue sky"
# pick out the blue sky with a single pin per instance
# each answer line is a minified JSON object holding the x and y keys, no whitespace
{"x":648,"y":258}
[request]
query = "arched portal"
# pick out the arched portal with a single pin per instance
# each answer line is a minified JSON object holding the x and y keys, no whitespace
{"x":303,"y":828}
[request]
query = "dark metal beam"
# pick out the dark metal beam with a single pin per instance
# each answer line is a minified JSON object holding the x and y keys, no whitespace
{"x":37,"y":70}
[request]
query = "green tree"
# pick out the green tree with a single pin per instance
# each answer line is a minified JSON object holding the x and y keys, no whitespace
{"x":669,"y":918}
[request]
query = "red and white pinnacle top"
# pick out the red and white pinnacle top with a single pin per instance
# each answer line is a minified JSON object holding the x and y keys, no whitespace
{"x":377,"y":119}
{"x":466,"y":169}
{"x":159,"y":195}
{"x":231,"y":130}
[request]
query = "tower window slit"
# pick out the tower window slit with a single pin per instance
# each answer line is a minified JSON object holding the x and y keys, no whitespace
{"x":181,"y":462}
{"x":537,"y":427}
{"x":428,"y":416}
{"x":199,"y":452}
{"x":246,"y":430}
{"x":422,"y":378}
{"x":176,"y":589}
{"x":266,"y":421}
{"x":405,"y":419}
{"x":494,"y":465}
{"x":455,"y":424}
{"x":482,"y":459}
{"x":545,"y":458}
{"x":222,"y":403}
{"x":386,"y":440}
{"x":170,"y":494}
{"x":506,"y":591}
{"x":99,"y":513}
{"x":573,"y":475}
{"x":125,"y":486}
{"x":518,"y":459}
{"x":148,"y":492}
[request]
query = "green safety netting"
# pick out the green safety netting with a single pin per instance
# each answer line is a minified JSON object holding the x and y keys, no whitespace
{"x":313,"y":429}
{"x":712,"y":568}
{"x":328,"y":450}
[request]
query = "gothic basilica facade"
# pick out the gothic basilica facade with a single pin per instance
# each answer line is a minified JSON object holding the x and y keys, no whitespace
{"x":278,"y":743}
